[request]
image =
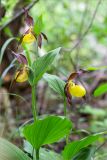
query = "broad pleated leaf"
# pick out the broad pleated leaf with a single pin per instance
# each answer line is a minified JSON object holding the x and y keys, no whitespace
{"x":47,"y":131}
{"x":74,"y":147}
{"x":85,"y":153}
{"x":100,"y":90}
{"x":55,"y":83}
{"x":45,"y":154}
{"x":8,"y":151}
{"x":41,"y":65}
{"x":49,"y":155}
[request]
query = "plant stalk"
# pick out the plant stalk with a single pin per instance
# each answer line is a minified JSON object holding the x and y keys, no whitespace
{"x":34,"y":108}
{"x":65,"y":114}
{"x":65,"y":106}
{"x":37,"y":154}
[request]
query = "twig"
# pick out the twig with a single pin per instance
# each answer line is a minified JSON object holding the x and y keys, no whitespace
{"x":101,"y":146}
{"x":87,"y":30}
{"x":73,"y":63}
{"x":80,"y":34}
{"x":19,"y":14}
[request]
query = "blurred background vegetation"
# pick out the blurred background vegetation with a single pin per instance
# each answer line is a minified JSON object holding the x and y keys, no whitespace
{"x":64,"y":23}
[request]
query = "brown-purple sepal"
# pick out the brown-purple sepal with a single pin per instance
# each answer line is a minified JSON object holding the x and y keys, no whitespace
{"x":72,"y":76}
{"x":40,"y":40}
{"x":67,"y":94}
{"x":81,"y":71}
{"x":44,"y":36}
{"x":20,"y":57}
{"x":76,"y":74}
{"x":28,"y":19}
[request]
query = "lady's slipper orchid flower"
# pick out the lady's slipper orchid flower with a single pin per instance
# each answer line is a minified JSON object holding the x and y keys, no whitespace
{"x":72,"y":89}
{"x":76,"y":90}
{"x":22,"y":74}
{"x":29,"y":36}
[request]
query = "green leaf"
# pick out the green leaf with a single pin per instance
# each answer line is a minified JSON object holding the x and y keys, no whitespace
{"x":41,"y":65}
{"x":45,"y":154}
{"x":49,"y":155}
{"x":74,"y":147}
{"x":55,"y":83}
{"x":47,"y":131}
{"x":100,"y":90}
{"x":38,"y":25}
{"x":31,"y":76}
{"x":4,"y":48}
{"x":96,"y":68}
{"x":85,"y":153}
{"x":8,"y":151}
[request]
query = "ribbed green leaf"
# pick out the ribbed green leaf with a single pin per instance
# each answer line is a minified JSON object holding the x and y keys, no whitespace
{"x":85,"y":153}
{"x":74,"y":147}
{"x":41,"y":65}
{"x":55,"y":83}
{"x":100,"y":90}
{"x":47,"y":131}
{"x":8,"y":151}
{"x":45,"y":154}
{"x":4,"y":47}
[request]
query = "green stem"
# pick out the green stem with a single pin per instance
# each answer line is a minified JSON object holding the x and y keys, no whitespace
{"x":34,"y":108}
{"x":33,"y":153}
{"x":65,"y":110}
{"x":67,"y":139}
{"x":37,"y":154}
{"x":65,"y":114}
{"x":37,"y":47}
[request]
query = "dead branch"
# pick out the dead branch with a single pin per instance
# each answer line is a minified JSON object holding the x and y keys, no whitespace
{"x":78,"y":41}
{"x":19,"y":14}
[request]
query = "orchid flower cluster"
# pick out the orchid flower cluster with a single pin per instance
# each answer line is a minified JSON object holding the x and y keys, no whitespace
{"x":52,"y":128}
{"x":28,"y":37}
{"x":22,"y":74}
